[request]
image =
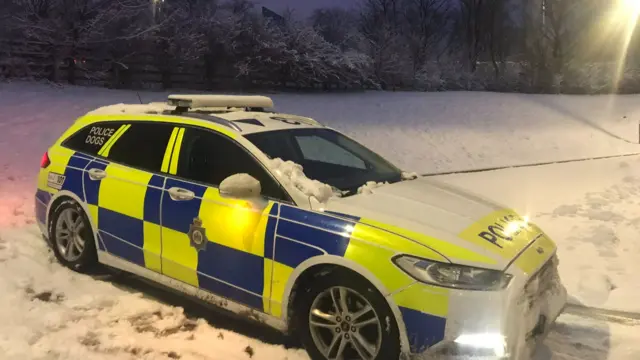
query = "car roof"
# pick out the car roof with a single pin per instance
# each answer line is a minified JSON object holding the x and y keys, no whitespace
{"x":255,"y":122}
{"x":239,"y":119}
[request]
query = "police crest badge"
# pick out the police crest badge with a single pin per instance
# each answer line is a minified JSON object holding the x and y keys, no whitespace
{"x":197,"y":235}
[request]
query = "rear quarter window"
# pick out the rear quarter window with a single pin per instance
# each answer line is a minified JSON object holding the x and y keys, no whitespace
{"x":90,"y":139}
{"x":142,"y":146}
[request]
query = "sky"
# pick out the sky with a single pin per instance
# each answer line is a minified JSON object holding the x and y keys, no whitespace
{"x":304,"y":7}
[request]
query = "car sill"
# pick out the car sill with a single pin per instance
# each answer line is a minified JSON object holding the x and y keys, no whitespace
{"x":218,"y":301}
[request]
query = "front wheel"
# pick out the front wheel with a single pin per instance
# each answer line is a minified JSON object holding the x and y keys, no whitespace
{"x":72,"y":238}
{"x":343,"y":317}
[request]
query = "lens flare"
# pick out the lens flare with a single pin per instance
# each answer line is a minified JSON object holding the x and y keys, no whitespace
{"x":624,"y":18}
{"x":632,"y":7}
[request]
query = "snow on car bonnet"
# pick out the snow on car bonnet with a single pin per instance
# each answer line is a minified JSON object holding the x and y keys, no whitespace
{"x":291,"y":173}
{"x":369,"y":186}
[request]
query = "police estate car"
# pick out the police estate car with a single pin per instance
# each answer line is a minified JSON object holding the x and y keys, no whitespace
{"x":183,"y":193}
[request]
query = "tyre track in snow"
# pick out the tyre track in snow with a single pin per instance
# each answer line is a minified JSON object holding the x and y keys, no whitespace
{"x":470,"y":171}
{"x":614,"y":316}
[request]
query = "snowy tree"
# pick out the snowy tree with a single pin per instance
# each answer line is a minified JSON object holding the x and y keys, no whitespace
{"x":337,"y":26}
{"x":500,"y":32}
{"x":66,"y":28}
{"x":473,"y":27}
{"x":239,"y":38}
{"x":425,"y":24}
{"x":559,"y":29}
{"x":379,"y":24}
{"x":180,"y":39}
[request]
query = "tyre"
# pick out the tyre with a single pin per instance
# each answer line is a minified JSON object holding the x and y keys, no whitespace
{"x":341,"y":316}
{"x":72,"y":238}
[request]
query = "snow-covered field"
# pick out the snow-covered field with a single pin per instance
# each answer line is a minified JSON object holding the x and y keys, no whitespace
{"x":591,"y":209}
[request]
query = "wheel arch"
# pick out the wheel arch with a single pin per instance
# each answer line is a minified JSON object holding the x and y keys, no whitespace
{"x":318,"y":264}
{"x":63,"y":195}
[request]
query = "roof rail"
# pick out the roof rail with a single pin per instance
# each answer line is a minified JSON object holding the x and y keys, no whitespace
{"x":150,"y":108}
{"x":211,"y":118}
{"x":296,"y":118}
{"x":186,"y":101}
{"x":159,"y":108}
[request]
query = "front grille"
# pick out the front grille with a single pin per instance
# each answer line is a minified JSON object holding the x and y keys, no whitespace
{"x":539,"y":285}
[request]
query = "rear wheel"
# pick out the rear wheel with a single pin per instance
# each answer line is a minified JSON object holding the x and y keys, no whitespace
{"x":72,"y":238}
{"x":343,"y":317}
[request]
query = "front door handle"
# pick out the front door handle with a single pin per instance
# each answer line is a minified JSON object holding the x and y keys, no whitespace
{"x":180,"y":194}
{"x":97,"y":174}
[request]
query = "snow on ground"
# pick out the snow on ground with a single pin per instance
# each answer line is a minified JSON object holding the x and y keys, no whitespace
{"x":576,"y":338}
{"x":592,"y":210}
{"x":589,"y":208}
{"x":49,"y":312}
{"x":452,"y":131}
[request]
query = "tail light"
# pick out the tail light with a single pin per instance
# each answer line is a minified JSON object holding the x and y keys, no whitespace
{"x":44,"y":162}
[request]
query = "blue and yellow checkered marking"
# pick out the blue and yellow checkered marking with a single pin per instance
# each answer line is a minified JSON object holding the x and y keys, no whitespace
{"x":232,"y":244}
{"x":153,"y":199}
{"x":292,"y":254}
{"x":42,"y":201}
{"x":123,"y":235}
{"x":423,"y":330}
{"x":325,"y":232}
{"x":74,"y":173}
{"x":248,"y":259}
{"x":92,"y":187}
{"x":232,"y":267}
{"x":270,"y":231}
{"x":178,"y":215}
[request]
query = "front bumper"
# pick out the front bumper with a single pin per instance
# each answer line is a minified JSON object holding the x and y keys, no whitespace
{"x":497,"y":325}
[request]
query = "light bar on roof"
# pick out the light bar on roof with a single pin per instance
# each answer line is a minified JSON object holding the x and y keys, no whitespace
{"x":220,"y":101}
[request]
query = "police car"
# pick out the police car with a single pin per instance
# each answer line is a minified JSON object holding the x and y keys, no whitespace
{"x":184,"y":193}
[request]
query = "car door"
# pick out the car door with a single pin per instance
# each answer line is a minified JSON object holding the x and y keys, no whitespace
{"x":212,"y":242}
{"x":123,"y":188}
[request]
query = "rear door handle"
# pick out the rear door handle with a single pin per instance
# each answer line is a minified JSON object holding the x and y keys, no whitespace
{"x":180,"y":194}
{"x":97,"y":174}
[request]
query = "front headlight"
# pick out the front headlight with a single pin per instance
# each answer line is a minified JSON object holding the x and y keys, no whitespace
{"x":451,"y":275}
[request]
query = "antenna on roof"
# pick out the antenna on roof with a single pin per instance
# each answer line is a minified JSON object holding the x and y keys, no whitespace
{"x":139,"y":98}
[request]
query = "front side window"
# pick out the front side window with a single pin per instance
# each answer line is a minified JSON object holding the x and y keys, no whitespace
{"x":92,"y":138}
{"x":210,"y":158}
{"x":142,"y":146}
{"x":327,"y":156}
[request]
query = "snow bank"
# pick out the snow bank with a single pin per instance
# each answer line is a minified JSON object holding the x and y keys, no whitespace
{"x":291,"y":173}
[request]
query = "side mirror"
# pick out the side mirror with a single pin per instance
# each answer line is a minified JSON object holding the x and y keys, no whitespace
{"x":241,"y":186}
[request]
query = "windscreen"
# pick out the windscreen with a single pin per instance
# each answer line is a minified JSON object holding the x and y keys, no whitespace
{"x":327,"y":156}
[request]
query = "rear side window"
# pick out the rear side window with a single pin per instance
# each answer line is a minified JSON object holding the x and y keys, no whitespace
{"x":90,"y":139}
{"x":142,"y":146}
